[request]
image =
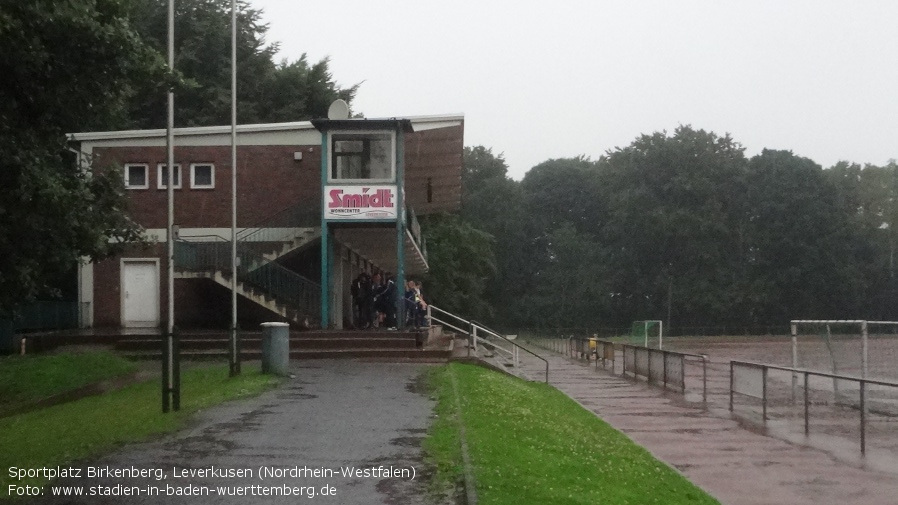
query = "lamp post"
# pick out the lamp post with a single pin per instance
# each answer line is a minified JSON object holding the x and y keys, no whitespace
{"x":234,"y":353}
{"x":170,"y":397}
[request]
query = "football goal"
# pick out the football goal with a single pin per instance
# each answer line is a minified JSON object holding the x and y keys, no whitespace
{"x":647,"y":333}
{"x":838,"y":346}
{"x":842,"y":347}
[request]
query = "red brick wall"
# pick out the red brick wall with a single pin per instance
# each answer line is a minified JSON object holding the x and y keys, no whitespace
{"x":268,"y":181}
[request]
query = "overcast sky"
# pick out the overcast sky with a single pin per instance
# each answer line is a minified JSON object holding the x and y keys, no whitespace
{"x":540,"y":80}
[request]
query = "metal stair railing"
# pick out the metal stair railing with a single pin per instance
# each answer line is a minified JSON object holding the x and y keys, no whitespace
{"x":211,"y":253}
{"x":414,"y":227}
{"x":282,"y":226}
{"x":203,"y":253}
{"x":474,"y":332}
{"x":283,"y":284}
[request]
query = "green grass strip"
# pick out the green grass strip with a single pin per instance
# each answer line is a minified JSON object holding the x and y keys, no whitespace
{"x":530,"y":443}
{"x":27,"y":379}
{"x":94,"y":425}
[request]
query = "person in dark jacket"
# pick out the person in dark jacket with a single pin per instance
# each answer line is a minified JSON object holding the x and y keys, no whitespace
{"x":386,"y":301}
{"x":361,"y":297}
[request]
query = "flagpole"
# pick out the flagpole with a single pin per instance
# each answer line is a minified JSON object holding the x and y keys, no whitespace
{"x":235,"y":352}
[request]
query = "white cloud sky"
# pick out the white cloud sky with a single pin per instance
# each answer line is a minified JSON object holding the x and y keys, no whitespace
{"x":540,"y":80}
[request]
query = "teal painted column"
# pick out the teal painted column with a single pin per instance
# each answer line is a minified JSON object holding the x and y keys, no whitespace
{"x":325,"y":245}
{"x":400,"y":228}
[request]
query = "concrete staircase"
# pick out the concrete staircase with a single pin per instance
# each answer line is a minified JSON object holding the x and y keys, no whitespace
{"x":376,"y":345}
{"x":265,"y":299}
{"x":260,"y":278}
{"x":300,"y":238}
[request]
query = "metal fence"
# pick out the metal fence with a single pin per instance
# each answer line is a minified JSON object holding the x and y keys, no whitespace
{"x":669,"y":331}
{"x":667,"y":368}
{"x":658,"y":367}
{"x":52,"y":315}
{"x":835,"y":402}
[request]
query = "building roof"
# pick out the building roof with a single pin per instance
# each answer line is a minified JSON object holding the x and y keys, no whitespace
{"x":418,"y":123}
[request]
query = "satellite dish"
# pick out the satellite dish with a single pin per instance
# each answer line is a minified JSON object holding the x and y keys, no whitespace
{"x":338,"y":110}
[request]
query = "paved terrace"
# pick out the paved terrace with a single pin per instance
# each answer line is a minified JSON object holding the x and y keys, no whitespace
{"x":736,"y":464}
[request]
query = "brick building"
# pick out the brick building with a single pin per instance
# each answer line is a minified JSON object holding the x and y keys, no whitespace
{"x":287,"y":175}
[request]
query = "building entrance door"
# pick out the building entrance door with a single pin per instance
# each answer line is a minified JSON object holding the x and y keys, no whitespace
{"x":140,"y":293}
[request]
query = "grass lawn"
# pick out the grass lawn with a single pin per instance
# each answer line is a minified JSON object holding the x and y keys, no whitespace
{"x":27,"y":379}
{"x":85,"y":428}
{"x":529,"y":443}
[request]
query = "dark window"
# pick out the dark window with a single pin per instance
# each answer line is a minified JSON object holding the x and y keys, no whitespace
{"x":362,"y":156}
{"x":136,"y":176}
{"x":202,"y":175}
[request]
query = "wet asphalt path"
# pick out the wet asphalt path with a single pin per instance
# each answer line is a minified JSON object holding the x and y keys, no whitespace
{"x":332,"y":416}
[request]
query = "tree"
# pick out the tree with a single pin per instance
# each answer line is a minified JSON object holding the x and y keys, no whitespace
{"x":570,"y":288}
{"x":462,"y":266}
{"x":266,"y":91}
{"x":868,"y":198}
{"x":555,"y":252}
{"x":67,"y":66}
{"x":564,"y":190}
{"x":801,"y":262}
{"x":480,"y":166}
{"x":673,"y":231}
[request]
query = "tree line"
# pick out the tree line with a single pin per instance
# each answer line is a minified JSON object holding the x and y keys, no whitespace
{"x":681,"y":227}
{"x":99,"y":65}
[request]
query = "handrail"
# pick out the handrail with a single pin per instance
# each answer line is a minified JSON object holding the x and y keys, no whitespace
{"x":281,"y":227}
{"x":430,"y":317}
{"x":414,"y":227}
{"x":253,"y":268}
{"x":189,"y":237}
{"x":472,"y":333}
{"x":493,"y":333}
{"x":296,"y":216}
{"x":483,"y":336}
{"x":862,"y":384}
{"x":814,"y":372}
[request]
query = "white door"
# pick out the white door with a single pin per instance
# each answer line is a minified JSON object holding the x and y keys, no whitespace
{"x":140,"y":293}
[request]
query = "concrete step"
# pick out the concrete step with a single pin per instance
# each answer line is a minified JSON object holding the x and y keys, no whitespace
{"x":334,"y":341}
{"x":256,"y":343}
{"x":387,"y":354}
{"x":294,"y":335}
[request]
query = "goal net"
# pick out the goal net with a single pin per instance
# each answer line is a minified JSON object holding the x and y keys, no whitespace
{"x":855,"y":348}
{"x":834,"y":347}
{"x":647,"y":333}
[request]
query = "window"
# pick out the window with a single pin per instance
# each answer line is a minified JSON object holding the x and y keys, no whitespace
{"x":136,"y":176}
{"x":202,"y":176}
{"x":362,"y":156}
{"x":163,"y":176}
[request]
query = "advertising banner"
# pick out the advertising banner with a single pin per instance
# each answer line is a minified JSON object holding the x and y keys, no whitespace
{"x":348,"y":203}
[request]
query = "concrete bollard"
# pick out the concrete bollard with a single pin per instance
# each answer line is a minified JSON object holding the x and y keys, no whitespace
{"x":276,"y":348}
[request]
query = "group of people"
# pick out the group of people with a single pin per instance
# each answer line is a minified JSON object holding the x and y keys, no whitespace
{"x":374,"y":302}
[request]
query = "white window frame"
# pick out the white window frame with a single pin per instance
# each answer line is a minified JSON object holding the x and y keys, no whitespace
{"x":161,"y":179}
{"x":146,"y":176}
{"x":193,"y":184}
{"x":330,"y":157}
